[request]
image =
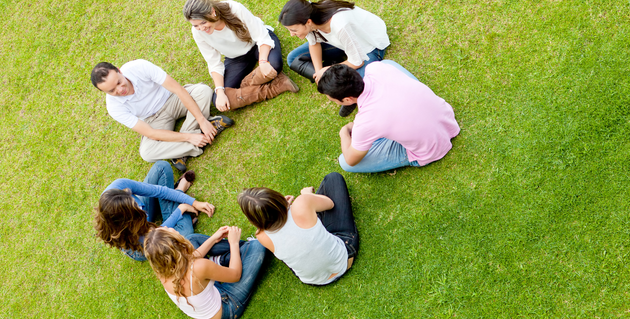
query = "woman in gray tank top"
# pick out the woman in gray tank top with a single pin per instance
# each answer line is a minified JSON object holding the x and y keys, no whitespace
{"x":316,"y":236}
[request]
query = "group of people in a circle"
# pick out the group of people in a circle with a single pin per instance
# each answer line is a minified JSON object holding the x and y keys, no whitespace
{"x":400,"y":122}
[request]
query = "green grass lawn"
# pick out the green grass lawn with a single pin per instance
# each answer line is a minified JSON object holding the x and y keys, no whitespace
{"x":527,"y":216}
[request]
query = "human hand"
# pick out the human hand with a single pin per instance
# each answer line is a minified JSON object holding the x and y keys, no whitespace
{"x":187,"y":208}
{"x":289,"y":199}
{"x":319,"y":74}
{"x":222,"y":102}
{"x":198,"y":139}
{"x":219,"y":234}
{"x":265,"y":68}
{"x":234,"y":235}
{"x":208,"y":129}
{"x":307,"y":190}
{"x":204,"y":207}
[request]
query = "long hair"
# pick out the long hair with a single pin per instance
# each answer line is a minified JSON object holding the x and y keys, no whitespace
{"x":264,"y":208}
{"x":119,"y":222}
{"x":299,"y":11}
{"x":202,"y":10}
{"x":170,"y":255}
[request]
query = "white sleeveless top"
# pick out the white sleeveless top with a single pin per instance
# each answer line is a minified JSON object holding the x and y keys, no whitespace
{"x":206,"y":304}
{"x":314,"y":254}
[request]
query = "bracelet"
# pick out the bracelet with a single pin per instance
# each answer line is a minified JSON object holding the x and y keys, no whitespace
{"x":262,"y":61}
{"x":218,"y":87}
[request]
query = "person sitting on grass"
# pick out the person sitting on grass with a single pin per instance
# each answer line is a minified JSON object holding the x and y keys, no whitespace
{"x":127,"y":209}
{"x":228,"y":28}
{"x":141,"y":96}
{"x":316,"y":236}
{"x":400,"y":121}
{"x":200,"y":287}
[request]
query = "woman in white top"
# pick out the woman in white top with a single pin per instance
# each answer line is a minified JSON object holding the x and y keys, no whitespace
{"x":316,"y":236}
{"x":335,"y":30}
{"x":200,"y":287}
{"x":228,"y":28}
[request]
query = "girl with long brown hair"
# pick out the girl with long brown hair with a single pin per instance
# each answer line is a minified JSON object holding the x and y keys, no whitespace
{"x":127,"y":209}
{"x":228,"y":28}
{"x":202,"y":288}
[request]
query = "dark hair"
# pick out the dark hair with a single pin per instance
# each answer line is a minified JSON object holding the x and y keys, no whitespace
{"x":341,"y":81}
{"x":299,"y":11}
{"x":100,"y":72}
{"x":265,"y":208}
{"x":202,"y":10}
{"x":119,"y":222}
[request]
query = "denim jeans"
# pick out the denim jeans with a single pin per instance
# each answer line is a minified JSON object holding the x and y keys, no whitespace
{"x":235,"y":296}
{"x":332,"y":55}
{"x":339,"y":220}
{"x":384,"y":154}
{"x":237,"y":68}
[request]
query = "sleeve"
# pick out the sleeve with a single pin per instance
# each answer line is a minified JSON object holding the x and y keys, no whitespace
{"x":209,"y":53}
{"x":311,"y":39}
{"x":351,"y":47}
{"x":119,"y":113}
{"x":150,"y":72}
{"x":255,"y":26}
{"x":362,"y":138}
{"x":150,"y":190}
{"x":172,"y":220}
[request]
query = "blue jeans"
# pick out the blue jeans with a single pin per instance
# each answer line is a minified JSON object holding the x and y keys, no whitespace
{"x":332,"y":55}
{"x":384,"y":154}
{"x":235,"y":296}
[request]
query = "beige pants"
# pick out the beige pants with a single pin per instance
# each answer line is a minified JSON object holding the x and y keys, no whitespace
{"x":165,"y":118}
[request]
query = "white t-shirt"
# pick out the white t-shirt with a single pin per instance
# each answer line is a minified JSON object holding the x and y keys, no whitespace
{"x":357,"y":32}
{"x":149,"y":95}
{"x":227,"y":43}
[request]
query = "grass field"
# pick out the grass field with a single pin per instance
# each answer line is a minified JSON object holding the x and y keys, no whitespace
{"x":527,"y":216}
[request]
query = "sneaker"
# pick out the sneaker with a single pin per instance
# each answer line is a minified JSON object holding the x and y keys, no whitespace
{"x":346,"y":110}
{"x":180,"y":163}
{"x":221,"y":122}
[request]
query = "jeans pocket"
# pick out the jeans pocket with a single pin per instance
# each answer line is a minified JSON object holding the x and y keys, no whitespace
{"x":350,"y":241}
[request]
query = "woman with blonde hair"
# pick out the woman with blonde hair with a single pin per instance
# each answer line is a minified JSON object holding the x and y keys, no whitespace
{"x":202,"y":288}
{"x":316,"y":236}
{"x":228,"y":28}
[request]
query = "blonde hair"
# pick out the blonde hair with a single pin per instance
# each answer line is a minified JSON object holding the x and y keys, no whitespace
{"x":170,"y":255}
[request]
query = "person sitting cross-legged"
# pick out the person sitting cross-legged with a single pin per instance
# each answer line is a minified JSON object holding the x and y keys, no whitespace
{"x":400,"y":121}
{"x":141,"y":96}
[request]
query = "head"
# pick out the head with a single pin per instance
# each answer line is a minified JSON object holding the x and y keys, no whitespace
{"x":119,"y":221}
{"x":206,"y":15}
{"x":301,"y":17}
{"x":264,"y":208}
{"x":341,"y":84}
{"x":108,"y":78}
{"x":169,"y":254}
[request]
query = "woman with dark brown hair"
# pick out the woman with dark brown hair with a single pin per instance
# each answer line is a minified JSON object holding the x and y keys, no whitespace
{"x":127,"y":209}
{"x":228,"y":28}
{"x":316,"y":236}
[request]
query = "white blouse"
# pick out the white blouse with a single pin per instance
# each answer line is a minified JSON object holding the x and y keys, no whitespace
{"x":227,"y":43}
{"x":357,"y":32}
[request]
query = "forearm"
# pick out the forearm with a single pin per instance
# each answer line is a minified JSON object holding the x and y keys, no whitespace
{"x":167,"y":136}
{"x":346,"y":62}
{"x":263,"y":52}
{"x":191,"y":105}
{"x":204,"y":248}
{"x":346,"y":141}
{"x":235,"y":258}
{"x":316,"y":56}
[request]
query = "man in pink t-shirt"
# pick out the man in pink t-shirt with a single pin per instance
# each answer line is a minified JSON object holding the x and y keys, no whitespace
{"x":400,"y":121}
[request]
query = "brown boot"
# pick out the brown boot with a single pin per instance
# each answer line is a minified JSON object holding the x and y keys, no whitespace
{"x":258,"y":93}
{"x":257,"y":78}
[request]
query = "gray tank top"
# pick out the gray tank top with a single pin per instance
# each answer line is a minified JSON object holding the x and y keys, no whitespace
{"x":314,"y":254}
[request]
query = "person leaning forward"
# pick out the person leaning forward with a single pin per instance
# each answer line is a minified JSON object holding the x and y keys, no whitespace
{"x":141,"y":96}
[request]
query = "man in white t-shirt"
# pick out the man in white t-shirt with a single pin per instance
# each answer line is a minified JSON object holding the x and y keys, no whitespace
{"x":400,"y":121}
{"x":141,"y":96}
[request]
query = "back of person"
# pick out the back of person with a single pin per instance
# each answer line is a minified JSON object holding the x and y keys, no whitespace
{"x":205,"y":304}
{"x":313,"y":254}
{"x":399,"y":108}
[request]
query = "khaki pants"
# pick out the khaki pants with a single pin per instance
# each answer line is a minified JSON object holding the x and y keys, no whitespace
{"x":165,"y":118}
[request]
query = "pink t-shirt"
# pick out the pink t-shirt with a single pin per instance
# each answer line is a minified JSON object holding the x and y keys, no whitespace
{"x":399,"y":108}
